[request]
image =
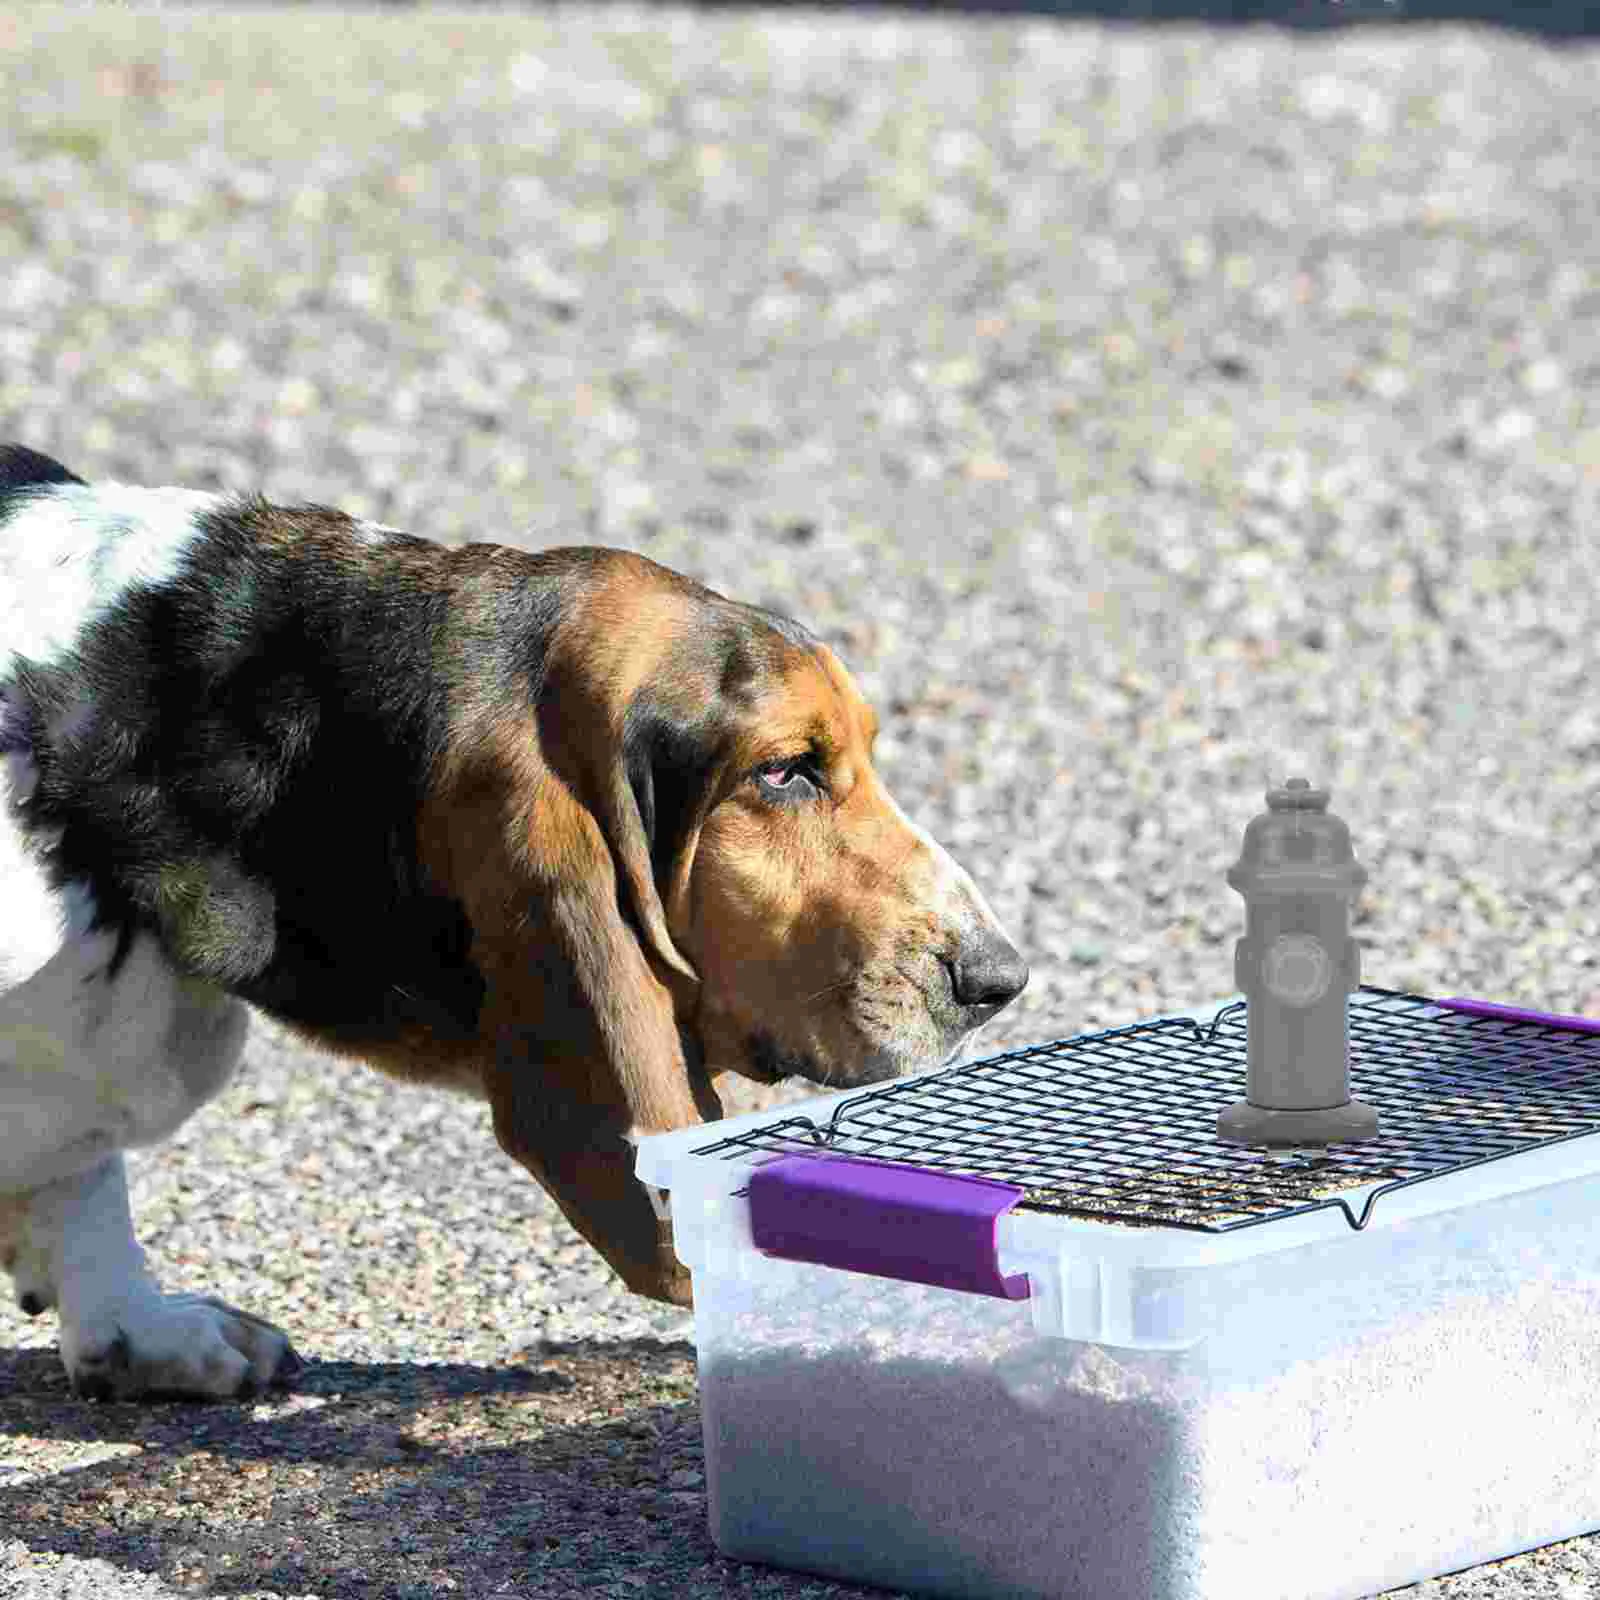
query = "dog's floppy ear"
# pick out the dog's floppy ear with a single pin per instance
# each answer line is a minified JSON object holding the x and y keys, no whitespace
{"x":542,"y":836}
{"x":669,"y":764}
{"x":625,"y":802}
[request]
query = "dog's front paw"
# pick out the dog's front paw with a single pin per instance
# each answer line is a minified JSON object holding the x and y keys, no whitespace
{"x":174,"y":1346}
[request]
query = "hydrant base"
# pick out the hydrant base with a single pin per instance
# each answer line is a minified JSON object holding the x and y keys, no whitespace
{"x":1245,"y":1123}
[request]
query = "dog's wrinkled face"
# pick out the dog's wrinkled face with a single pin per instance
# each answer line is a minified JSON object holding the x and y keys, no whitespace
{"x":834,"y":939}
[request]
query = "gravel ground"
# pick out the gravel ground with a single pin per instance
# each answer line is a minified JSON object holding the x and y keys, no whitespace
{"x":1144,"y":415}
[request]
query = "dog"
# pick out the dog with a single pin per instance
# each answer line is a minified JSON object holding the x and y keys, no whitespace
{"x":564,"y":830}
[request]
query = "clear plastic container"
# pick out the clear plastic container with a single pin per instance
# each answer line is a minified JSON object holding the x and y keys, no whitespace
{"x":1292,"y":1411}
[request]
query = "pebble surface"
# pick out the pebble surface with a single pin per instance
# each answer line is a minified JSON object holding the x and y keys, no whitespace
{"x":1146,"y":415}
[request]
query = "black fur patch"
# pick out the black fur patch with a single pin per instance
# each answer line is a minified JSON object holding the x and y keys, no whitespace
{"x":22,"y":468}
{"x":669,"y":764}
{"x":15,"y":725}
{"x":237,"y":759}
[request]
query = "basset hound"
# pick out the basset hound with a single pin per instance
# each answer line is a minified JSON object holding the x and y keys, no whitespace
{"x":565,"y":830}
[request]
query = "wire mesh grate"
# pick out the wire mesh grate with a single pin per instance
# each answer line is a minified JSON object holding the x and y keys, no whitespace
{"x":1120,"y":1126}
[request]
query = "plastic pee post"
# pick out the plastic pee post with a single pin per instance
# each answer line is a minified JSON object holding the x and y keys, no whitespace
{"x":1297,"y":966}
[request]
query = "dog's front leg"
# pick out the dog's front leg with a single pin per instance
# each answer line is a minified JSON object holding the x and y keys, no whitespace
{"x":70,"y":1243}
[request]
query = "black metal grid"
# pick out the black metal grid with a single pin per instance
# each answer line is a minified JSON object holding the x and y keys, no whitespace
{"x":1121,"y":1126}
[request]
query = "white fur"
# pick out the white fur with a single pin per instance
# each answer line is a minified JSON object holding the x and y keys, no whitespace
{"x":959,"y":900}
{"x":76,"y":550}
{"x":957,"y":896}
{"x":92,"y":1063}
{"x":120,"y":1335}
{"x":33,"y":921}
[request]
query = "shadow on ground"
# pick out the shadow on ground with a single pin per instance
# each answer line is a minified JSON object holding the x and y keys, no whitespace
{"x":579,"y":1470}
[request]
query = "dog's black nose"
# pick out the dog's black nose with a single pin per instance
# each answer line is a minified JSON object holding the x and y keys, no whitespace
{"x":990,"y":974}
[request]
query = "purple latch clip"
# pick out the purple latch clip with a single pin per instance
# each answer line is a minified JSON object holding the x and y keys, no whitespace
{"x":893,"y":1221}
{"x":1544,"y":1019}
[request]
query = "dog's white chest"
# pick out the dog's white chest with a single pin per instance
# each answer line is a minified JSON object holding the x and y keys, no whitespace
{"x":34,"y":918}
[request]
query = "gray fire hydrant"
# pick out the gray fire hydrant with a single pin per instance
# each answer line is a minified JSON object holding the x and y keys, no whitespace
{"x":1297,"y":966}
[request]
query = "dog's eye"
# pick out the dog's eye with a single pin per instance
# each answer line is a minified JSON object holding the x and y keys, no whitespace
{"x":787,"y":780}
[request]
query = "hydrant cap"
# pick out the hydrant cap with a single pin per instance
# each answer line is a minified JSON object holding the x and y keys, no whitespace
{"x":1296,"y":845}
{"x":1297,"y":795}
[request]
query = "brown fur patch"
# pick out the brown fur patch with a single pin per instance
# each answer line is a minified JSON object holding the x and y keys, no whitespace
{"x":578,"y":1038}
{"x":782,"y":937}
{"x":807,"y":921}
